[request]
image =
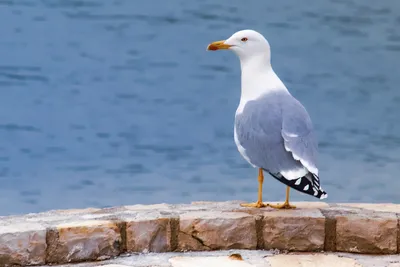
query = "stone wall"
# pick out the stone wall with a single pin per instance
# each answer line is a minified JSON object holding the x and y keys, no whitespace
{"x":65,"y":236}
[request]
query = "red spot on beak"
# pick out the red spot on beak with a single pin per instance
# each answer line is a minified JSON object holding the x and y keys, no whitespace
{"x":212,"y":47}
{"x":218,"y":45}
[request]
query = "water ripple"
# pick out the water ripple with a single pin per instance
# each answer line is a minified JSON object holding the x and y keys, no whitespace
{"x":16,"y":128}
{"x":120,"y":98}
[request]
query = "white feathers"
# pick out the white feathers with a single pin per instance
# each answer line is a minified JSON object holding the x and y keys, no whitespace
{"x":257,"y":76}
{"x":294,"y":173}
{"x":255,"y":88}
{"x":292,"y":135}
{"x":303,"y":162}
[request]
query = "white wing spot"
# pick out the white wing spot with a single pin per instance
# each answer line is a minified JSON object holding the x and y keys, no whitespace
{"x":292,"y":135}
{"x":306,"y":187}
{"x":315,"y":192}
{"x":294,"y":173}
{"x":298,"y":182}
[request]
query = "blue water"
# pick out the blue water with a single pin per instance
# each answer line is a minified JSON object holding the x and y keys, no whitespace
{"x":117,"y":102}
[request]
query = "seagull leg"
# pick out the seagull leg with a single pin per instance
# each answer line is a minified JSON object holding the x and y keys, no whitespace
{"x":259,"y":203}
{"x":286,"y":204}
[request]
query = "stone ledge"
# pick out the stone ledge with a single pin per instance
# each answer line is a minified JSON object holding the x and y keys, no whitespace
{"x":64,"y":236}
{"x":245,"y":258}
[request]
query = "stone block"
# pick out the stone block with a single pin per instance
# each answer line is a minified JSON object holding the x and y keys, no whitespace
{"x":83,"y":240}
{"x":22,"y":243}
{"x":363,"y":233}
{"x":153,"y":207}
{"x":311,"y":260}
{"x":364,"y":228}
{"x":211,"y":230}
{"x":294,"y":230}
{"x":379,"y":207}
{"x":112,"y":265}
{"x":149,"y":235}
{"x":234,"y":260}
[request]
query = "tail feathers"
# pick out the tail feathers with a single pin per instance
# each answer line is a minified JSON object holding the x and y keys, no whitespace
{"x":308,"y":184}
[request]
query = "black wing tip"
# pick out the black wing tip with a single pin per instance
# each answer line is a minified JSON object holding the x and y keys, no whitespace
{"x":308,"y":184}
{"x":324,"y":195}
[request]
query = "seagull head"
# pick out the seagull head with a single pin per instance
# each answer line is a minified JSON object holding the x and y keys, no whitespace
{"x":246,"y":44}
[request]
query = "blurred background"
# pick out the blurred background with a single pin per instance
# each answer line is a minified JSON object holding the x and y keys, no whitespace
{"x":117,"y":102}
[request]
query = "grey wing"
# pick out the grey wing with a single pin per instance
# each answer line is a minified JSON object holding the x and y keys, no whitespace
{"x":258,"y":132}
{"x":298,"y":134}
{"x":276,"y":134}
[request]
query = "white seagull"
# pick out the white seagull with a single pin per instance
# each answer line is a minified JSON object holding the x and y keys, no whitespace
{"x":273,"y":130}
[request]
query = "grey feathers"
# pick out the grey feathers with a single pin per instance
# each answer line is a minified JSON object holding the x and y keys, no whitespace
{"x":274,"y":132}
{"x":298,"y":134}
{"x":258,"y":129}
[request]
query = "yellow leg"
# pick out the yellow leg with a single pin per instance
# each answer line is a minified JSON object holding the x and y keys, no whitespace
{"x":259,"y":203}
{"x":285,"y":205}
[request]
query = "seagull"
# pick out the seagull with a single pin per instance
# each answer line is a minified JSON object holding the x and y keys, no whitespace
{"x":272,"y":131}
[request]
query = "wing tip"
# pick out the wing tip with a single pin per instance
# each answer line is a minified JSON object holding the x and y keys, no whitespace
{"x":324,"y":195}
{"x":307,"y":185}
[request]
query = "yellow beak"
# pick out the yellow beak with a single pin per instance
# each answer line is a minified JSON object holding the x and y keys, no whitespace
{"x":218,"y":45}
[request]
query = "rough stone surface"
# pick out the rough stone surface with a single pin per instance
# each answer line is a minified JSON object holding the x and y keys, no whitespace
{"x":362,"y":233}
{"x":98,"y":234}
{"x":217,"y":230}
{"x":112,"y":265}
{"x":71,"y":211}
{"x":309,"y":205}
{"x":380,"y":207}
{"x":257,"y":258}
{"x":294,"y":230}
{"x":83,"y":240}
{"x":311,"y":260}
{"x":360,"y":230}
{"x":22,"y":244}
{"x":225,"y":261}
{"x":50,"y":218}
{"x":140,"y":207}
{"x":149,"y":235}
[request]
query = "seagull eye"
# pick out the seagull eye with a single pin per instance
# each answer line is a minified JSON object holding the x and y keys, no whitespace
{"x":244,"y":39}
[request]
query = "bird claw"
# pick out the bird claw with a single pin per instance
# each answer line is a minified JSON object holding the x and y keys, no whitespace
{"x":257,"y":204}
{"x":285,"y":205}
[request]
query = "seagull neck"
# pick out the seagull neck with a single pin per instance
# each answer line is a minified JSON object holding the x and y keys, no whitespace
{"x":255,"y":62}
{"x":258,"y":78}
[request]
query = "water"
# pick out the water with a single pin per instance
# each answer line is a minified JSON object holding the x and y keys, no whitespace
{"x":118,"y":102}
